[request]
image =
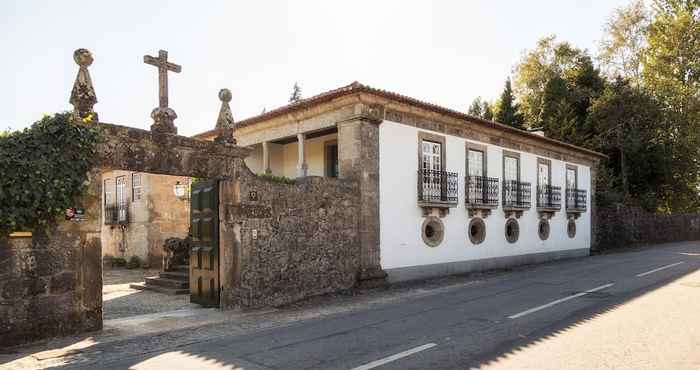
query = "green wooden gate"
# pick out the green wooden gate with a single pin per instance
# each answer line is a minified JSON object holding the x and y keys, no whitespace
{"x":204,"y":255}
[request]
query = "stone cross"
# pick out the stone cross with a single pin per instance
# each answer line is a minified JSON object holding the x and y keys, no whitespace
{"x":163,"y":116}
{"x":163,"y":67}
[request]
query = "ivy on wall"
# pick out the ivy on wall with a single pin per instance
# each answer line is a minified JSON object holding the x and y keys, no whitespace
{"x":43,"y":169}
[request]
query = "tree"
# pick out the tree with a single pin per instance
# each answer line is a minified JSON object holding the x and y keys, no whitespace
{"x":296,"y":94}
{"x":487,"y":112}
{"x":507,"y":108}
{"x":627,"y":117}
{"x":475,"y":109}
{"x":566,"y":99}
{"x":672,"y":73}
{"x":623,"y":45}
{"x":536,"y":67}
{"x":480,"y":108}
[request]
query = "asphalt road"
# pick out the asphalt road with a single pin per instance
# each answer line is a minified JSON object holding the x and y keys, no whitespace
{"x":628,"y":310}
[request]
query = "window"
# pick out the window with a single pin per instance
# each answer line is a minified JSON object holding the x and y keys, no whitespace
{"x":432,"y":156}
{"x":543,"y":169}
{"x":571,"y":178}
{"x":136,"y":187}
{"x":109,"y":192}
{"x":475,"y":164}
{"x":332,"y":159}
{"x":121,"y":198}
{"x":511,"y":168}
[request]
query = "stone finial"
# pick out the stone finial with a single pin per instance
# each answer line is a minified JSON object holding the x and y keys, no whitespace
{"x":225,"y":123}
{"x":83,"y":97}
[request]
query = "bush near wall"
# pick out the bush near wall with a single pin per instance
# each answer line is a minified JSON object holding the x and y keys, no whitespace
{"x":621,"y":226}
{"x":44,"y":168}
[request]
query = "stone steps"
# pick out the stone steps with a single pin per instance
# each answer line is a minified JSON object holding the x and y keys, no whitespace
{"x":159,"y":289}
{"x":167,"y":282}
{"x":173,"y":282}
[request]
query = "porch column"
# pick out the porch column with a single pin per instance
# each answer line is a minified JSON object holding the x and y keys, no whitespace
{"x":301,"y":163}
{"x":358,"y":157}
{"x":266,"y":157}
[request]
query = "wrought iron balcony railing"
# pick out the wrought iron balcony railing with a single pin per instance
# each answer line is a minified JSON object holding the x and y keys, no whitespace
{"x":481,"y":191}
{"x":549,"y":196}
{"x":115,"y":215}
{"x":575,"y":200}
{"x":437,"y":186}
{"x":516,"y":194}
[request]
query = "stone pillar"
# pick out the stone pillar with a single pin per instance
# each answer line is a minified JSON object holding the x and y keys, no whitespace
{"x":358,"y":157}
{"x":266,"y":157}
{"x":302,"y":167}
{"x":230,"y":236}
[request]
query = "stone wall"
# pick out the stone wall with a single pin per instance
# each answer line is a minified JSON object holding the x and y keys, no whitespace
{"x":51,"y":282}
{"x":621,"y":226}
{"x":296,"y":240}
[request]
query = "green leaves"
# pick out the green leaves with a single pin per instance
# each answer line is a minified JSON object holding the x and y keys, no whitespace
{"x":43,"y":169}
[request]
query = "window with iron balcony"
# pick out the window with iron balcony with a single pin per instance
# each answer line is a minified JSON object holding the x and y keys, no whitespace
{"x":576,"y":200}
{"x":481,"y":191}
{"x":516,"y":194}
{"x":549,"y":197}
{"x":437,"y":186}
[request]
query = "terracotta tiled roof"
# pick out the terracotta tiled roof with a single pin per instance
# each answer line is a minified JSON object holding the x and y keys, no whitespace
{"x":357,"y":87}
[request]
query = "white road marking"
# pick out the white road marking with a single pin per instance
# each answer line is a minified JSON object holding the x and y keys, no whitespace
{"x":659,"y":269}
{"x":395,"y":357}
{"x":550,"y":304}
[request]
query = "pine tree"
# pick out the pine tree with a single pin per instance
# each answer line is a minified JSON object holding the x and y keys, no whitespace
{"x":296,"y":94}
{"x":475,"y":109}
{"x":507,"y":108}
{"x":487,"y":112}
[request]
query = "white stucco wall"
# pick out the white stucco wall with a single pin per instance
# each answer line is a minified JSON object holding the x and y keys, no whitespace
{"x":401,"y":218}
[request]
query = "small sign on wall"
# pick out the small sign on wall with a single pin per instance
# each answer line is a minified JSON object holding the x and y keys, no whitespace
{"x":253,"y":195}
{"x":75,"y":214}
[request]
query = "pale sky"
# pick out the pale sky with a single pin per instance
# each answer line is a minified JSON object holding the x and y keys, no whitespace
{"x":445,"y":52}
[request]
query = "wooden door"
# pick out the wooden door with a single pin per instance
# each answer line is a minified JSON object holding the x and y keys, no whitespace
{"x":204,"y":253}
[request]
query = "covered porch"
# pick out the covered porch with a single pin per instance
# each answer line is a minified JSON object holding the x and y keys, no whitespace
{"x":311,"y":153}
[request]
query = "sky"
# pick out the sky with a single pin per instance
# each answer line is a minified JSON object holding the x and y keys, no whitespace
{"x":444,"y":52}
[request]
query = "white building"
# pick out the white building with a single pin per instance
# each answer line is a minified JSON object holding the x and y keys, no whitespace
{"x":442,"y":192}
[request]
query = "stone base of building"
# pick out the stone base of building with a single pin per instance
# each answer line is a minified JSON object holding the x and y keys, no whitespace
{"x":462,"y":267}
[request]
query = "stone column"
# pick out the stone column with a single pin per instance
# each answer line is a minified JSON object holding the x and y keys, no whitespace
{"x":358,"y":157}
{"x":301,"y":163}
{"x":266,"y":157}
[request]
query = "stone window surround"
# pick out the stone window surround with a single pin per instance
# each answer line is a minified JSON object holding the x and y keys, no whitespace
{"x":515,"y":228}
{"x":571,"y":228}
{"x":481,"y":231}
{"x":438,"y":229}
{"x":440,"y":139}
{"x":543,"y":233}
{"x":575,"y":169}
{"x":516,"y":155}
{"x":480,"y":148}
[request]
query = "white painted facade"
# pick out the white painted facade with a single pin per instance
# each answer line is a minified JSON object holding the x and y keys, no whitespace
{"x":401,"y":244}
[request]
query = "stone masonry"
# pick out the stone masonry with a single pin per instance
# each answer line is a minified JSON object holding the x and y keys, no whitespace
{"x":296,"y":240}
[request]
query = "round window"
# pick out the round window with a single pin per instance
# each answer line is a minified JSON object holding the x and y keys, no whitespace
{"x":571,"y":228}
{"x":512,"y":230}
{"x":432,"y":231}
{"x":477,"y":230}
{"x":543,"y":229}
